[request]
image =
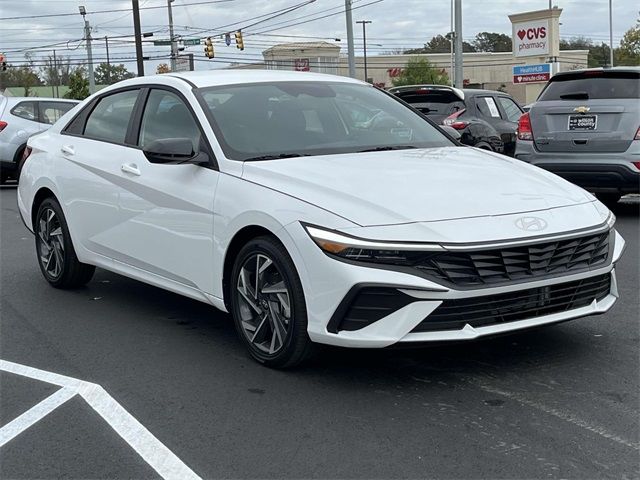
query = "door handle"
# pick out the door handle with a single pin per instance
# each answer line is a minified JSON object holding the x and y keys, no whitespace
{"x":131,"y":168}
{"x":68,"y":150}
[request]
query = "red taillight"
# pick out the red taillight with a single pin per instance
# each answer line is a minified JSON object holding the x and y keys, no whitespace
{"x":3,"y":125}
{"x":524,"y":127}
{"x":636,"y":164}
{"x":453,"y":122}
{"x":637,"y":137}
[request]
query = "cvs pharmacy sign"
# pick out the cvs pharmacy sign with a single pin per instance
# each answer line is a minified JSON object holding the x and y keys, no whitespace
{"x":531,"y":38}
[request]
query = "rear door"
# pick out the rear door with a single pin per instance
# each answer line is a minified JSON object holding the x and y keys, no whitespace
{"x":589,"y":111}
{"x":92,"y":148}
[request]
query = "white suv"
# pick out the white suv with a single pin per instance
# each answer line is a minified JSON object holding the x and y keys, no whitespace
{"x":20,"y":118}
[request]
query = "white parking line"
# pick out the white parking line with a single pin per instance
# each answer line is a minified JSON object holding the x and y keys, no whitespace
{"x":34,"y":414}
{"x":152,"y":451}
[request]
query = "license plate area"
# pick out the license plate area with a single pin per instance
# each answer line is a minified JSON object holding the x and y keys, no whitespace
{"x":583,"y":122}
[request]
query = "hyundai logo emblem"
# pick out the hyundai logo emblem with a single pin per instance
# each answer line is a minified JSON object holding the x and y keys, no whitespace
{"x":531,"y":224}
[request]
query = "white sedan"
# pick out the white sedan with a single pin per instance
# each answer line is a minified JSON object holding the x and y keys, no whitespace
{"x":269,"y":195}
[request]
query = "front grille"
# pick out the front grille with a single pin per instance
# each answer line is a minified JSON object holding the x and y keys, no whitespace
{"x":518,"y":305}
{"x":508,"y":264}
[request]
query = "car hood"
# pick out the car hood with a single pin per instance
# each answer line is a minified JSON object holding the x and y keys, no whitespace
{"x":422,"y":185}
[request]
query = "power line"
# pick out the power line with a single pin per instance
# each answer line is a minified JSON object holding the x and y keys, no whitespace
{"x":50,"y":15}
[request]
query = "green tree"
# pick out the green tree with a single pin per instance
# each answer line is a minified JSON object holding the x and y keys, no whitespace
{"x":56,"y":71}
{"x":24,"y":76}
{"x":629,"y":51}
{"x":78,"y":85}
{"x":108,"y":74}
{"x":420,"y":71}
{"x":492,"y":42}
{"x":440,"y":44}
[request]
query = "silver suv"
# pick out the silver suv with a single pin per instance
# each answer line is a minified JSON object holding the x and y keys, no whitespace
{"x":20,"y":118}
{"x":585,"y":127}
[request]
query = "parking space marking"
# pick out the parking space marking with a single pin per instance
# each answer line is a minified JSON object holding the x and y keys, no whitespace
{"x":152,"y":451}
{"x":35,"y":414}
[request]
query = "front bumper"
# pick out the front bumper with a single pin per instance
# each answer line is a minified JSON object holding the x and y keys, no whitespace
{"x":329,"y":287}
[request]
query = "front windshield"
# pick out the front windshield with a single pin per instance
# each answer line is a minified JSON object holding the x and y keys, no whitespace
{"x":280,"y":119}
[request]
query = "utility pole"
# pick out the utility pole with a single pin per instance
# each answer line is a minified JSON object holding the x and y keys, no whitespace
{"x":364,"y":39}
{"x":57,"y":80}
{"x":138,"y":34}
{"x":174,"y":46}
{"x":452,"y":37}
{"x":106,"y":44}
{"x":459,"y":75}
{"x":610,"y":34}
{"x":350,"y":49}
{"x":87,"y":36}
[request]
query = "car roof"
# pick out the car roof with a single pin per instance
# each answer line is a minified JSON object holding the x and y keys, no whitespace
{"x":599,"y":69}
{"x":210,"y":78}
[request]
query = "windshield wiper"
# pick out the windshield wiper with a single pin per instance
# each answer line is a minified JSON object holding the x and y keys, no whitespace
{"x":575,"y":96}
{"x":387,"y":147}
{"x":275,"y":157}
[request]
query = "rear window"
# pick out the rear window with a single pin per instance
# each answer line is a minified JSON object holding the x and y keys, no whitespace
{"x":593,"y":85}
{"x":429,"y":101}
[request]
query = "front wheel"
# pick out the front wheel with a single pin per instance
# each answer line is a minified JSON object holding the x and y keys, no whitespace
{"x":57,"y":258}
{"x":268,"y":305}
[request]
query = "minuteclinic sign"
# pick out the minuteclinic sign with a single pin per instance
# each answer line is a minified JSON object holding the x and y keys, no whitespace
{"x":531,"y":38}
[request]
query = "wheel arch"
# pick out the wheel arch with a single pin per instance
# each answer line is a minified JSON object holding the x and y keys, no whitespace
{"x":241,"y":238}
{"x":40,"y":196}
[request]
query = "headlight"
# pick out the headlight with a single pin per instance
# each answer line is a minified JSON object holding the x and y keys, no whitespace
{"x":361,"y":250}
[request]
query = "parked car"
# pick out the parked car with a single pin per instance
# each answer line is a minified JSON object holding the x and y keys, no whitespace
{"x":486,"y":119}
{"x":20,"y":118}
{"x":585,"y":127}
{"x":305,"y":220}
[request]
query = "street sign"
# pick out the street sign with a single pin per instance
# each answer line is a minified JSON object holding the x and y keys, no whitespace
{"x":160,"y":43}
{"x":191,"y":41}
{"x":537,"y":73}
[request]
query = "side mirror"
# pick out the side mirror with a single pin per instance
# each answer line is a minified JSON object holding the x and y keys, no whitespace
{"x":169,"y":150}
{"x":451,"y":131}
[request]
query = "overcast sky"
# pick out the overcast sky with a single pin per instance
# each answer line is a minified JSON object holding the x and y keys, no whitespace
{"x":396,"y":24}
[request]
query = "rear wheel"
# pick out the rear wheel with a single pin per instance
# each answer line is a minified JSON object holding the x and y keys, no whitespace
{"x":268,"y":304}
{"x":56,"y":256}
{"x":609,"y":199}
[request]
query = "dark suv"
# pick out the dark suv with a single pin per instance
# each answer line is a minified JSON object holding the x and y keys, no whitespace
{"x":585,"y":127}
{"x":485,"y":118}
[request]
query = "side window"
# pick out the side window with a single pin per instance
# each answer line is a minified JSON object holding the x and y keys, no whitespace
{"x":167,"y":116}
{"x":26,"y":110}
{"x":109,"y":120}
{"x":50,"y":112}
{"x":510,"y":108}
{"x":488,"y":107}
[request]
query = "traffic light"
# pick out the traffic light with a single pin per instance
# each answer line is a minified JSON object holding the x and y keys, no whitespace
{"x":208,"y":48}
{"x":239,"y":41}
{"x":3,"y":63}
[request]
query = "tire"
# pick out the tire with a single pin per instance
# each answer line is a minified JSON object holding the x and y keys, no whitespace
{"x":56,"y":256}
{"x":271,"y":320}
{"x":609,"y":199}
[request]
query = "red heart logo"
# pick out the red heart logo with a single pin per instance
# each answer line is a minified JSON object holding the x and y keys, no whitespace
{"x":522,"y":33}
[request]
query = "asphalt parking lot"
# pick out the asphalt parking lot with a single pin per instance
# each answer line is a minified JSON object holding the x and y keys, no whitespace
{"x":560,"y":402}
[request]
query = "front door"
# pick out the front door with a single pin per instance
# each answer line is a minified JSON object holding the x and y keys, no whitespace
{"x":167,"y":209}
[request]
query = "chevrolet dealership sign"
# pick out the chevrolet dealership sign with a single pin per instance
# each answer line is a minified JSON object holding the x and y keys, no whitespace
{"x":531,"y":38}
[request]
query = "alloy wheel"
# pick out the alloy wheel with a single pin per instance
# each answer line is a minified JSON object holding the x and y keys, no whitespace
{"x":264,"y":304}
{"x":50,"y":243}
